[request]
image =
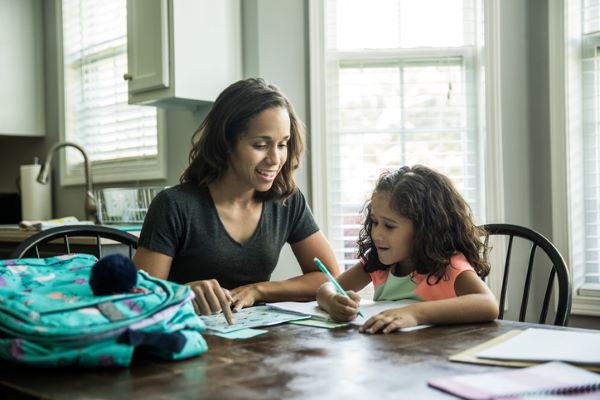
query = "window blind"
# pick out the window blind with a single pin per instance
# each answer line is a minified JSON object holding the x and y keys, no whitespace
{"x":591,"y":143}
{"x":97,"y":115}
{"x":403,"y":84}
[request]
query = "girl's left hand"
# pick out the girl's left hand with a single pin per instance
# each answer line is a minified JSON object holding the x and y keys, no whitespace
{"x":389,"y":321}
{"x":244,"y":296}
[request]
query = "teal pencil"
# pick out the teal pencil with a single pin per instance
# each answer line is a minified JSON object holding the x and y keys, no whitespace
{"x":335,"y":283}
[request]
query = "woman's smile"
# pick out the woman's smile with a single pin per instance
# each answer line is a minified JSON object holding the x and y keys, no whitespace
{"x":267,"y":175}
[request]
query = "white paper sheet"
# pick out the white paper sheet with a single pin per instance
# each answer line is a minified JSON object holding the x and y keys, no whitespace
{"x":548,"y":345}
{"x":368,"y":307}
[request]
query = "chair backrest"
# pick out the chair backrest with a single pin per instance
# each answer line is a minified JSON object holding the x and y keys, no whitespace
{"x":559,"y":269}
{"x":31,"y":246}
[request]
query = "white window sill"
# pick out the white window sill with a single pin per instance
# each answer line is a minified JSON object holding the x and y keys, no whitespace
{"x":589,"y":290}
{"x":586,"y":300}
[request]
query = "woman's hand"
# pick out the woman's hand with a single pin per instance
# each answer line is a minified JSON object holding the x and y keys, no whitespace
{"x":244,"y":296}
{"x":212,"y":298}
{"x":390,"y":320}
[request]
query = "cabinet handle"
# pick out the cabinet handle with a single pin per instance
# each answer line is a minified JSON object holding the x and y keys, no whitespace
{"x":127,"y":77}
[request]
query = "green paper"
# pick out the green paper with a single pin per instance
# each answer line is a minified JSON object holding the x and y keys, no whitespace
{"x":319,"y":323}
{"x":127,"y":227}
{"x":240,"y":334}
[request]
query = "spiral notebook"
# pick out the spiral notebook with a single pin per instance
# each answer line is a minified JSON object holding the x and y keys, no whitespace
{"x":544,"y":379}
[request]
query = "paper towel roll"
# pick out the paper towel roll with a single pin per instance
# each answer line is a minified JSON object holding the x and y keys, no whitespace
{"x":36,"y":199}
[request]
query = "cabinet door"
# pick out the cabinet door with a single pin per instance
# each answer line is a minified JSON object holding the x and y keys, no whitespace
{"x":147,"y":45}
{"x":22,"y":68}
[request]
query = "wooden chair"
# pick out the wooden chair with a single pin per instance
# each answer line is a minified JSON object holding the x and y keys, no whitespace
{"x":558,"y":269}
{"x":31,"y":247}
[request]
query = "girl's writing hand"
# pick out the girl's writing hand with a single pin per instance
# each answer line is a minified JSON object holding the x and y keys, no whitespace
{"x":389,"y":321}
{"x":211,"y":298}
{"x":244,"y":296}
{"x":342,"y":308}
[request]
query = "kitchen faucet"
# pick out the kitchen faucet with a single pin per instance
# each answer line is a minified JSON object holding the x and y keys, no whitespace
{"x":91,"y":211}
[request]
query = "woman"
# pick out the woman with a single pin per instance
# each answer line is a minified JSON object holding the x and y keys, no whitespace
{"x":222,"y":228}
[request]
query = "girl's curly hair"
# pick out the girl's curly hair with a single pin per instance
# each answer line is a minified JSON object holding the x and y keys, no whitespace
{"x":442,"y":220}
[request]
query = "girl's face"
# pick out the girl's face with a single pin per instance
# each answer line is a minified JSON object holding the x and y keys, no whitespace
{"x":392,"y":233}
{"x":262,"y":150}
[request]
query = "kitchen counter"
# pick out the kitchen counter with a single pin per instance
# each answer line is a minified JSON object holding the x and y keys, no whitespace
{"x":14,"y":234}
{"x":11,"y":236}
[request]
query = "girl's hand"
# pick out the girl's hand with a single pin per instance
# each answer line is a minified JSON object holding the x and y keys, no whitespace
{"x":342,"y":308}
{"x":211,"y":298}
{"x":244,"y":296}
{"x":389,"y":321}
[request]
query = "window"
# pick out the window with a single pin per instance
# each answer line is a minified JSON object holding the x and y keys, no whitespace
{"x":590,"y":141}
{"x":402,"y":85}
{"x":120,"y":139}
{"x":575,"y":125}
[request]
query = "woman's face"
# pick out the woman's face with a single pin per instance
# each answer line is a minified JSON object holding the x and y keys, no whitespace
{"x":392,"y":234}
{"x":262,"y":150}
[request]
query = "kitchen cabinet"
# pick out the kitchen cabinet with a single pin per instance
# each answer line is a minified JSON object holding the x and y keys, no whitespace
{"x":22,"y":66}
{"x":182,"y":53}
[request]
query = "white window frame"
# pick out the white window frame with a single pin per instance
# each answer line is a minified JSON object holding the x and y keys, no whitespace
{"x":565,"y":74}
{"x":492,"y":157}
{"x":141,"y":169}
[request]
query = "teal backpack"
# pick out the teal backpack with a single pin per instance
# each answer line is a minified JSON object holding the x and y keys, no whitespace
{"x":50,"y":317}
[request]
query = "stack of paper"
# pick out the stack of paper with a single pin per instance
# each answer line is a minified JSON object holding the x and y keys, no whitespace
{"x":522,"y":348}
{"x":548,"y":345}
{"x":51,"y":223}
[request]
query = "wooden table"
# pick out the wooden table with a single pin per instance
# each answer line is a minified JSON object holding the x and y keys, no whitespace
{"x":290,"y":361}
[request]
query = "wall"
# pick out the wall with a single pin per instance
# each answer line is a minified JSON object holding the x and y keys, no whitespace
{"x":276,"y":48}
{"x":515,"y":120}
{"x":15,"y":151}
{"x":539,"y":120}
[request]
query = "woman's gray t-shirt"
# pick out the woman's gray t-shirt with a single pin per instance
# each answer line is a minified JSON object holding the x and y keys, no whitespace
{"x":183,"y":223}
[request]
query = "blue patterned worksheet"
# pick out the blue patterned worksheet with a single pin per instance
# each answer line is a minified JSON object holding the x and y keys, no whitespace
{"x":252,"y":317}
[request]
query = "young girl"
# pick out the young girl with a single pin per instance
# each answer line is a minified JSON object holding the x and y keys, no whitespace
{"x":418,"y":242}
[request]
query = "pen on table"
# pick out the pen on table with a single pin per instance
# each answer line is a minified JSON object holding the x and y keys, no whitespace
{"x":335,"y":283}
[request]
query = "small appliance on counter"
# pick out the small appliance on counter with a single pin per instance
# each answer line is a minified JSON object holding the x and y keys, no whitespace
{"x":10,"y":208}
{"x":36,"y":198}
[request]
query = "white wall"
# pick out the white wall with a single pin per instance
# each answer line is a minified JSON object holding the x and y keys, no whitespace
{"x":515,"y":63}
{"x":275,"y":48}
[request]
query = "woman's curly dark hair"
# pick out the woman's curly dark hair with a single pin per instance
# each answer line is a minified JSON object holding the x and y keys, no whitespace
{"x":442,"y":220}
